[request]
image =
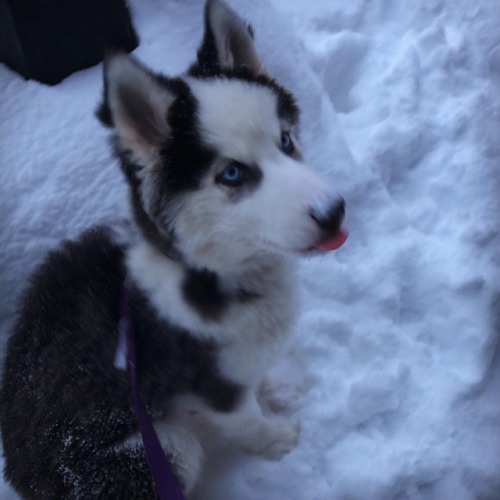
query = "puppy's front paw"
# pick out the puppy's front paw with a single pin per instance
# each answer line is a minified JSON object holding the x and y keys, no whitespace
{"x":275,"y":397}
{"x":278,"y":440}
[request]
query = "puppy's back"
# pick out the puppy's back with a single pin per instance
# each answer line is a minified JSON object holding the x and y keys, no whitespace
{"x":59,"y":379}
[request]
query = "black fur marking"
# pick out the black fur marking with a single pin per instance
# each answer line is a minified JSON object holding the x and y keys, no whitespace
{"x":251,"y":30}
{"x":207,"y":63}
{"x":64,"y":408}
{"x":103,"y":111}
{"x":160,"y":239}
{"x":203,"y":292}
{"x":191,"y":367}
{"x":185,"y":159}
{"x":171,"y":361}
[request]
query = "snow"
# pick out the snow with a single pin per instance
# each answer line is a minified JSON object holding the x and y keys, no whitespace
{"x":394,"y":367}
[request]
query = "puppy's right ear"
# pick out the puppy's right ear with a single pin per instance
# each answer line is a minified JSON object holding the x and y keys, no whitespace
{"x":136,"y":104}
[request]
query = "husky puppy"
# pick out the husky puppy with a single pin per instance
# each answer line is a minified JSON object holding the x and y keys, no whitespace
{"x":222,"y":204}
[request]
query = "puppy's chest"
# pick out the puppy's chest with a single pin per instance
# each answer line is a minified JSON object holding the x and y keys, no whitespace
{"x":256,"y":319}
{"x":247,"y":321}
{"x":253,"y":336}
{"x":250,"y":333}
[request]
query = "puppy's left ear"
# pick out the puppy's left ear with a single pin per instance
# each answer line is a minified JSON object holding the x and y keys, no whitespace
{"x":227,"y":43}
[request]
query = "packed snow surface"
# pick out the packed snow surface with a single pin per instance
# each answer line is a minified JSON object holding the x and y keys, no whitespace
{"x":394,"y":370}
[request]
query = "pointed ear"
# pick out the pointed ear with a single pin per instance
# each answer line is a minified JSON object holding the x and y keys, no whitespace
{"x":136,"y":105}
{"x":227,"y":43}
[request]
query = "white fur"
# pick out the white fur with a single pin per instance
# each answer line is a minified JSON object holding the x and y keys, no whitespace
{"x":246,"y":425}
{"x":236,"y":117}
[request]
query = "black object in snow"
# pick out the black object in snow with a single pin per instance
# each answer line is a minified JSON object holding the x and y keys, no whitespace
{"x":48,"y":40}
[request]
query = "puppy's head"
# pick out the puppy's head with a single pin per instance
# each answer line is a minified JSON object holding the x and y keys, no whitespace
{"x":213,"y":158}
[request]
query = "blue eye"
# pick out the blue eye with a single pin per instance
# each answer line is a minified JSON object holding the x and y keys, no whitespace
{"x":232,"y":175}
{"x":287,"y":143}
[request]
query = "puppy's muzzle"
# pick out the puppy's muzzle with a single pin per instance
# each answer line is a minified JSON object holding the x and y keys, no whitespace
{"x":330,"y":221}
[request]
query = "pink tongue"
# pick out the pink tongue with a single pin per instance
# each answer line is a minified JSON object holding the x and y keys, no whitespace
{"x":332,"y":242}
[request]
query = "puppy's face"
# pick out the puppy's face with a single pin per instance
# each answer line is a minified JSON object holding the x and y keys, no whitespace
{"x":257,"y":194}
{"x":214,"y":159}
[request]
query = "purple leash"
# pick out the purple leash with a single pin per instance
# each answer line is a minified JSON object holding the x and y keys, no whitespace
{"x":166,"y":482}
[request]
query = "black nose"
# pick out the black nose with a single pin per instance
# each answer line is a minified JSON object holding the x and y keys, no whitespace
{"x":330,"y":220}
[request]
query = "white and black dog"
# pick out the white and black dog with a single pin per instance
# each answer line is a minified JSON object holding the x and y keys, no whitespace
{"x":222,"y":204}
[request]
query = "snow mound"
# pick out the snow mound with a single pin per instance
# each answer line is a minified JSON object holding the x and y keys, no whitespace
{"x":394,"y":368}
